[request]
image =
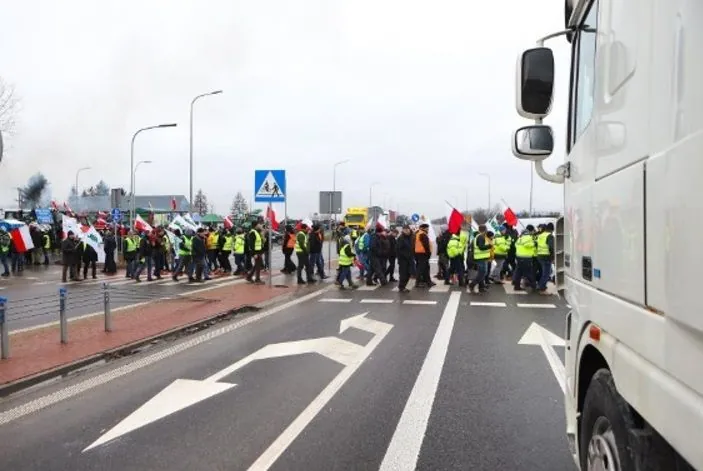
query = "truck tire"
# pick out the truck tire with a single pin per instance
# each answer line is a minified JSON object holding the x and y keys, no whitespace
{"x":606,"y":421}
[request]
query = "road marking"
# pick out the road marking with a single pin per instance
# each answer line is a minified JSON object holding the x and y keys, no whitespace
{"x":405,"y":445}
{"x":30,"y":278}
{"x":538,"y":335}
{"x":419,"y":302}
{"x":334,"y":300}
{"x":410,"y":285}
{"x":79,"y":388}
{"x":377,"y":301}
{"x":487,"y":304}
{"x":367,"y":288}
{"x":279,"y":446}
{"x":537,"y":306}
{"x":183,"y":393}
{"x":440,"y":288}
{"x":41,"y":283}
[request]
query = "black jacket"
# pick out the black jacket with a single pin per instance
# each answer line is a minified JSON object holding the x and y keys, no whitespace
{"x":315,"y":242}
{"x":198,"y":250}
{"x":404,"y":247}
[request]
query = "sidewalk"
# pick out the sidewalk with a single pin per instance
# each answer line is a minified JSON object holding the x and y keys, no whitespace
{"x":35,"y":353}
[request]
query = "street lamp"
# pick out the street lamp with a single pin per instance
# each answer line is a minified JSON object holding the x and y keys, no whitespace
{"x":131,"y":163}
{"x":134,"y":178}
{"x":371,"y":193}
{"x":192,"y":103}
{"x":78,"y":173}
{"x":489,"y":188}
{"x":332,"y":210}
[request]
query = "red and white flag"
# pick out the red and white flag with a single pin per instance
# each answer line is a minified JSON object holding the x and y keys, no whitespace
{"x":271,"y":216}
{"x":454,"y":219}
{"x":140,"y":225}
{"x":228,"y":223}
{"x":508,"y":214}
{"x":68,"y":209}
{"x":22,"y":239}
{"x":54,"y":206}
{"x":173,"y":203}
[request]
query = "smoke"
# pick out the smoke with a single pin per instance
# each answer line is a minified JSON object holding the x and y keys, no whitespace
{"x":35,"y":189}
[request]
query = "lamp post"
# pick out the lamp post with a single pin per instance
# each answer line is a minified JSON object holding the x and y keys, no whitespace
{"x":131,"y":164}
{"x":192,"y":103}
{"x":78,"y":173}
{"x":371,"y":193}
{"x":134,"y":178}
{"x":489,"y":188}
{"x":333,"y":210}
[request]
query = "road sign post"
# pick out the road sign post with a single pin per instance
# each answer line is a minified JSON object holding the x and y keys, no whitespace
{"x":330,"y":203}
{"x":62,"y":315}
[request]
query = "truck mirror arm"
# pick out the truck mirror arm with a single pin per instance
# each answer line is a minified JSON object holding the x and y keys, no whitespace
{"x":560,"y":177}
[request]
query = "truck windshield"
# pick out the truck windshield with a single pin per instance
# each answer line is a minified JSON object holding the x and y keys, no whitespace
{"x":354,"y":218}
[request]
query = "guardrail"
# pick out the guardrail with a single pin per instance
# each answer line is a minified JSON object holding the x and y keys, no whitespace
{"x":65,"y":302}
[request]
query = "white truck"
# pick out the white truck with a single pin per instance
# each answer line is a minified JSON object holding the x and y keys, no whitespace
{"x":632,"y":246}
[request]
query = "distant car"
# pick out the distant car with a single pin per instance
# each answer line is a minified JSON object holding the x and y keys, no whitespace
{"x":276,"y":237}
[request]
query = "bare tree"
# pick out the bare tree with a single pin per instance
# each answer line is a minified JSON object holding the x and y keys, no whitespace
{"x":8,"y":108}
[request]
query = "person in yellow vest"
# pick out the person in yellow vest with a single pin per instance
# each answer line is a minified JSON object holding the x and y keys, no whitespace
{"x":213,"y":239}
{"x":302,"y":251}
{"x":481,"y":257}
{"x":501,"y":246}
{"x":455,"y":254}
{"x":256,"y":244}
{"x":131,"y":246}
{"x":545,"y":256}
{"x":225,"y":248}
{"x":346,"y":260}
{"x":46,"y":246}
{"x":239,"y":249}
{"x":185,"y":256}
{"x":525,"y":249}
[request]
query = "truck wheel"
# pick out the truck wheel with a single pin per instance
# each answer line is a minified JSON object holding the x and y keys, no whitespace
{"x":605,"y":424}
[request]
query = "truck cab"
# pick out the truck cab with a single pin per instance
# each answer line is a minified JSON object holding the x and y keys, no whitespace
{"x":631,"y":254}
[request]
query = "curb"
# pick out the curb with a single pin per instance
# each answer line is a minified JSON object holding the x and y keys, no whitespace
{"x":135,"y":347}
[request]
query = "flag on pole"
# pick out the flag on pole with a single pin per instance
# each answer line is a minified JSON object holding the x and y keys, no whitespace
{"x":140,"y":225}
{"x":271,"y":216}
{"x":228,"y":223}
{"x":508,"y":214}
{"x":173,"y":203}
{"x":454,"y":218}
{"x":21,"y":239}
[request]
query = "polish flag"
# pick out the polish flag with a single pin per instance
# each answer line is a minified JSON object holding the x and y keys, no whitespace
{"x":173,"y":204}
{"x":54,"y":206}
{"x":228,"y":223}
{"x":22,"y":239}
{"x":454,"y":218}
{"x":271,"y":216}
{"x":67,"y":208}
{"x":508,"y":215}
{"x":140,"y":225}
{"x":382,"y":221}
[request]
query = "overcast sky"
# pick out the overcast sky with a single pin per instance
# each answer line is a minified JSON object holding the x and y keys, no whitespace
{"x":418,"y":94}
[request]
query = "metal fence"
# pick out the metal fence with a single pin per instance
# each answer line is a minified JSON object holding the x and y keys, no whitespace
{"x":60,"y":305}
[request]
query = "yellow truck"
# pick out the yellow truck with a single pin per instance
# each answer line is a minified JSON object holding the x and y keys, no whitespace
{"x":357,"y":218}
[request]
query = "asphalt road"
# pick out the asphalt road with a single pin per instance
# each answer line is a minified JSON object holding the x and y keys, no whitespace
{"x":441,"y":384}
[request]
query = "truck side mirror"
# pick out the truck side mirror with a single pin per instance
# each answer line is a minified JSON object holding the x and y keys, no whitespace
{"x":534,"y":143}
{"x":535,"y":83}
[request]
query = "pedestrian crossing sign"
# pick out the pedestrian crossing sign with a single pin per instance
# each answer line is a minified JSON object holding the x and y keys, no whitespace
{"x":270,"y":186}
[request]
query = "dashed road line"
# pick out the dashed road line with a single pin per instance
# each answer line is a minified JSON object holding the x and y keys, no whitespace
{"x":440,"y":289}
{"x":487,"y":304}
{"x":377,"y":301}
{"x":419,"y":302}
{"x":335,"y":300}
{"x":537,"y":306}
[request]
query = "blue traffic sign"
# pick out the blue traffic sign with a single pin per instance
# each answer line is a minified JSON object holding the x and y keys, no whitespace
{"x":415,"y":217}
{"x":116,"y":214}
{"x":270,"y":186}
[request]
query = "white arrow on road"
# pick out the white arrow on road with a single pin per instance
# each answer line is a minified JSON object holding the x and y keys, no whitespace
{"x":184,"y":393}
{"x":538,"y":335}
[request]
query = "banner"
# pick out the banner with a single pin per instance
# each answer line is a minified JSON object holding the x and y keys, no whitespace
{"x":88,"y":234}
{"x":179,"y":222}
